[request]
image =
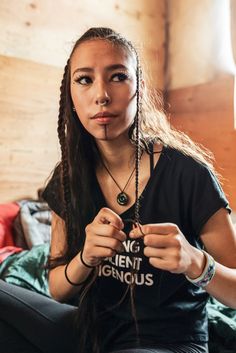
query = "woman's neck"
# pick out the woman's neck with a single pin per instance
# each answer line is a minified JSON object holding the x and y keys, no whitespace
{"x":117,"y":154}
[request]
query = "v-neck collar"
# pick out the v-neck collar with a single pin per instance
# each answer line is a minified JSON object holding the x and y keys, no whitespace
{"x":154,"y":173}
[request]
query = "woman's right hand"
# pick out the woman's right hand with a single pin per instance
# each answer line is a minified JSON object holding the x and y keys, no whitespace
{"x":104,"y":237}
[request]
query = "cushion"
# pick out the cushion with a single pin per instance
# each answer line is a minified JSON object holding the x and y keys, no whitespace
{"x":8,"y":212}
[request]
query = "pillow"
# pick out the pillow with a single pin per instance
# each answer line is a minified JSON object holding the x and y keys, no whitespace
{"x":8,"y":212}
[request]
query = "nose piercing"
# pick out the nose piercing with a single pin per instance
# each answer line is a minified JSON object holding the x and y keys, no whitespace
{"x":103,"y":103}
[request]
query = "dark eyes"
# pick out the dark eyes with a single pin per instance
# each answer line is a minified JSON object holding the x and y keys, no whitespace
{"x":83,"y":80}
{"x":86,"y":80}
{"x":119,"y":77}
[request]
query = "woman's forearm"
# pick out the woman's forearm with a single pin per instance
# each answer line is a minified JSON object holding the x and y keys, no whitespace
{"x":59,"y":287}
{"x":223,"y":285}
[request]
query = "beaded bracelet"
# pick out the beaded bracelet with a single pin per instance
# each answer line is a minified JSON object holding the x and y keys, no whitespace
{"x":207,"y":274}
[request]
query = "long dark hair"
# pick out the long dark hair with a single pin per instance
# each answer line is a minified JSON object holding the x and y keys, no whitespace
{"x":79,"y":157}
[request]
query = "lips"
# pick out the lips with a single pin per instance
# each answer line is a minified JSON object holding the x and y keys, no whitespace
{"x":104,"y":115}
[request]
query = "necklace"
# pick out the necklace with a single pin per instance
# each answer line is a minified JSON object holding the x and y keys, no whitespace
{"x":122,"y":198}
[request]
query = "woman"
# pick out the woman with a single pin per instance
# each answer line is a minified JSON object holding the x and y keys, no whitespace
{"x":134,"y":202}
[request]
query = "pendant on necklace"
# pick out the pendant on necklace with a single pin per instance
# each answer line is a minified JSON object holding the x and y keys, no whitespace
{"x":122,"y":198}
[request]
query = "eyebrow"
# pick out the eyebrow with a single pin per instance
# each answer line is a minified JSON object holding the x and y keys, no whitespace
{"x":107,"y":68}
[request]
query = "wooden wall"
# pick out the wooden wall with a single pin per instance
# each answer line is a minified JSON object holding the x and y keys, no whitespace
{"x":200,"y":80}
{"x":28,"y":111}
{"x":207,"y":116}
{"x":36,"y":38}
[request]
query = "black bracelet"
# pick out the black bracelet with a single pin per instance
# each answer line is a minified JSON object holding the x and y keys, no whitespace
{"x":84,"y":263}
{"x":69,"y":281}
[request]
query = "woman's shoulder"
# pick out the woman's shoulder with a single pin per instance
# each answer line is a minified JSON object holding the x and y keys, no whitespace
{"x":183,"y":160}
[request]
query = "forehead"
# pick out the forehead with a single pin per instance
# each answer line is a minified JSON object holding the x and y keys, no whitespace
{"x":99,"y":53}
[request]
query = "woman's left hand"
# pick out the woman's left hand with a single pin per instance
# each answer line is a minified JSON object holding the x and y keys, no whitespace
{"x":168,"y":249}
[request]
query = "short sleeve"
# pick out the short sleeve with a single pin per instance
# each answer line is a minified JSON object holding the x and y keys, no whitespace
{"x":52,"y":193}
{"x":207,"y":197}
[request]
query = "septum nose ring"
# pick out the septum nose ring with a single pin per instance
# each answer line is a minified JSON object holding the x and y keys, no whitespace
{"x":105,"y":102}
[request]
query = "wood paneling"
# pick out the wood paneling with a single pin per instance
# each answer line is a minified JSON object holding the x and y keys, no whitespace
{"x":28,"y":116}
{"x":44,"y":31}
{"x":206,"y":113}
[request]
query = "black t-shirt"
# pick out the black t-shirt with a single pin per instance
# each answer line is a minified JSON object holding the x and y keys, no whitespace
{"x":168,"y":307}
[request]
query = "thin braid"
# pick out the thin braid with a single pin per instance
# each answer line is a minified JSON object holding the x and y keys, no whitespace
{"x":61,"y":130}
{"x":137,"y":145}
{"x":137,"y":203}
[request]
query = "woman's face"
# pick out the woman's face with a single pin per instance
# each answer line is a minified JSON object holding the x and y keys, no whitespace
{"x":102,"y":72}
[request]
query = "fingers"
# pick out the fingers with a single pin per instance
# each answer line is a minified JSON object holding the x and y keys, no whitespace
{"x":159,"y":263}
{"x":107,"y":230}
{"x":166,"y":264}
{"x":164,"y":246}
{"x":157,"y":228}
{"x":154,"y":252}
{"x":108,"y":242}
{"x":107,"y":216}
{"x":104,"y":236}
{"x":102,"y":252}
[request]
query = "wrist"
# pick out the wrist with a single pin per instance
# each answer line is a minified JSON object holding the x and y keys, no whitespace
{"x":85,"y":262}
{"x":72,"y":276}
{"x":198,"y":263}
{"x":207,"y":274}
